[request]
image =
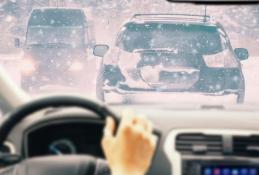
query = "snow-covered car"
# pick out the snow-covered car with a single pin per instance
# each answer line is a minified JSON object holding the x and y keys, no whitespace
{"x":172,"y":53}
{"x":57,"y":47}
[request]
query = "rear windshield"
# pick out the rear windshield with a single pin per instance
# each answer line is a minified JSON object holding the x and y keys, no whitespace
{"x":57,"y":17}
{"x":182,"y":37}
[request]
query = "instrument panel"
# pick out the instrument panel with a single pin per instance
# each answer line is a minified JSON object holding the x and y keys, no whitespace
{"x":64,"y":138}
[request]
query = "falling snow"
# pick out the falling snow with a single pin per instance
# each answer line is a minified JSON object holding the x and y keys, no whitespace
{"x":57,"y":47}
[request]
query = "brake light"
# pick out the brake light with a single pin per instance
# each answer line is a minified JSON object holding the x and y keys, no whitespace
{"x":221,"y":60}
{"x":28,"y":65}
{"x":76,"y":66}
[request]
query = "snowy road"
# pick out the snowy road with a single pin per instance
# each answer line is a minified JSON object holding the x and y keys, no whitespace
{"x":250,"y":69}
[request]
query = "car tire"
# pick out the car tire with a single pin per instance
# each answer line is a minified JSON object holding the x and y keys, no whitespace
{"x":99,"y":87}
{"x":25,"y":84}
{"x":241,"y":97}
{"x":28,"y":85}
{"x":241,"y":92}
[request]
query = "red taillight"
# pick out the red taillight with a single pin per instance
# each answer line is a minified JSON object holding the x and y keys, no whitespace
{"x":28,"y":65}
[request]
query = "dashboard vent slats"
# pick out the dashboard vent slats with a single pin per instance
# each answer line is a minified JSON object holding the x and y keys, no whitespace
{"x":197,"y":143}
{"x":246,"y":146}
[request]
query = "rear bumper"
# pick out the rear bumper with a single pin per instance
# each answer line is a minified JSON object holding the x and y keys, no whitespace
{"x":216,"y":86}
{"x":118,"y":96}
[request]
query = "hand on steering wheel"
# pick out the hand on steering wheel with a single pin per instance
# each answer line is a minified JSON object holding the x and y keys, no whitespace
{"x":64,"y":165}
{"x":130,"y":151}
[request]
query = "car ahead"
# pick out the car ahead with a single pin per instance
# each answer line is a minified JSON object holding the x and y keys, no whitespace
{"x":56,"y":49}
{"x":172,"y":53}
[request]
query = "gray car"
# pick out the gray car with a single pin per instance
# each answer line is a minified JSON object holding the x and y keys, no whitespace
{"x":172,"y":53}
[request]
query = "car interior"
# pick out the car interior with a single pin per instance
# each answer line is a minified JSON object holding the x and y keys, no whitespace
{"x":191,"y":67}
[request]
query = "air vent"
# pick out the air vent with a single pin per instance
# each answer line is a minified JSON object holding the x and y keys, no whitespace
{"x":196,"y":143}
{"x":246,"y":146}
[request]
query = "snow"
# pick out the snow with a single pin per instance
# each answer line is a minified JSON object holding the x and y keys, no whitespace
{"x":250,"y":69}
{"x":241,"y":24}
{"x":172,"y":98}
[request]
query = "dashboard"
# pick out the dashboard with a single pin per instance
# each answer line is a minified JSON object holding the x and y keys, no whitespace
{"x":192,"y":142}
{"x":64,"y":138}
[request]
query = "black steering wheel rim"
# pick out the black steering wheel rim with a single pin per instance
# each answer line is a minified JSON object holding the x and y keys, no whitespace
{"x":86,"y":164}
{"x":52,"y":101}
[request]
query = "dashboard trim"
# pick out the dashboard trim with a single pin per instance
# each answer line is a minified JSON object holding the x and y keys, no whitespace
{"x":175,"y":157}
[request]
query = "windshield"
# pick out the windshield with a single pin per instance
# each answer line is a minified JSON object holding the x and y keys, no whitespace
{"x":133,"y":52}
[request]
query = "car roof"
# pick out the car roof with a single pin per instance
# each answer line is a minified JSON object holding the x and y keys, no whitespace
{"x":174,"y":18}
{"x":64,"y":16}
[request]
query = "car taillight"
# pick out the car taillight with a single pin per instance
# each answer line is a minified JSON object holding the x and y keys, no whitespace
{"x":221,"y":60}
{"x":28,"y":65}
{"x":112,"y":75}
{"x":76,"y":66}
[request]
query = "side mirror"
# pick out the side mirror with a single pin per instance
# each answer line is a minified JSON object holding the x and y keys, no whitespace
{"x":17,"y":43}
{"x":100,"y":50}
{"x":241,"y":53}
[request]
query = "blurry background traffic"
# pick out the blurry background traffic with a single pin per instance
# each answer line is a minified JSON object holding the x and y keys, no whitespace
{"x":104,"y":18}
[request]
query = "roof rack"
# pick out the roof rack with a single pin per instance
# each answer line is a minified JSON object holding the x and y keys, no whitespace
{"x":187,"y":17}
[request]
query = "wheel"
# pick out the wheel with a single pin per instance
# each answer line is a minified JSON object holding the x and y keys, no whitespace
{"x":27,"y":84}
{"x":71,"y":165}
{"x":99,"y":87}
{"x":241,"y":97}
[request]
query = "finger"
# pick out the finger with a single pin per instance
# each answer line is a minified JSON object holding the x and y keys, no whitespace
{"x":108,"y":136}
{"x":154,"y":140}
{"x":142,"y":121}
{"x":107,"y":142}
{"x":127,"y":119}
{"x":149,"y":127}
{"x":109,"y":127}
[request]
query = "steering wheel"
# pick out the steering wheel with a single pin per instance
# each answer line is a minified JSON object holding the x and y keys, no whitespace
{"x":56,"y":165}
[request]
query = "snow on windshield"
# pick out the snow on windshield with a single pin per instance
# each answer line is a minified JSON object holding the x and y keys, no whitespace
{"x":131,"y":51}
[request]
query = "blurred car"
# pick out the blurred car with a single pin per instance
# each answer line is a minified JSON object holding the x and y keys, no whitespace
{"x":172,"y":53}
{"x":56,"y":49}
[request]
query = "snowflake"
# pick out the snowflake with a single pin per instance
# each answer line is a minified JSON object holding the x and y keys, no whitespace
{"x":74,"y":32}
{"x":73,"y":45}
{"x":218,"y":86}
{"x":40,"y":32}
{"x":235,"y":78}
{"x":153,"y":59}
{"x":146,"y":59}
{"x":52,"y":21}
{"x":194,"y":51}
{"x":128,"y":38}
